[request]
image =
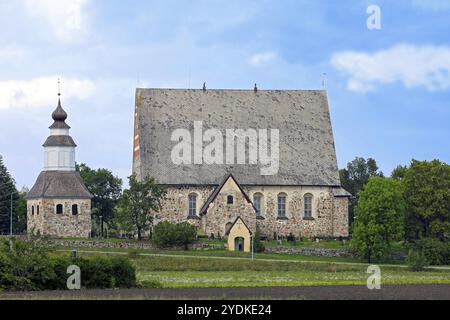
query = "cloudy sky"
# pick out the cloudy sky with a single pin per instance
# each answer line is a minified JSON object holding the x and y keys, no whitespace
{"x":389,"y":89}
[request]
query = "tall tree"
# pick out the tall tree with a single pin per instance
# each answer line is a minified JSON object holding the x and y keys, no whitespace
{"x":140,"y":203}
{"x":7,"y":190}
{"x":426,"y":189}
{"x":379,"y":218}
{"x":399,"y":172}
{"x":106,"y":189}
{"x":355,"y":176}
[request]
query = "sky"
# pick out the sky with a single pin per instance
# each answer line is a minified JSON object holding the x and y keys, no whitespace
{"x":388,"y":88}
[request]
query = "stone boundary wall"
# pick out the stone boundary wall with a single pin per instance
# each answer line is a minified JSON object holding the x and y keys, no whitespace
{"x":317,"y":252}
{"x":117,"y":245}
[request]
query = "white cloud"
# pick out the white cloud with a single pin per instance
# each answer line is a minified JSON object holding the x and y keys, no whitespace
{"x":65,"y":17}
{"x":42,"y":92}
{"x":413,"y":66}
{"x":261,"y":58}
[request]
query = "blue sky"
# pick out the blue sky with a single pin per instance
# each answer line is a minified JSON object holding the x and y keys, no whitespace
{"x":389,"y":89}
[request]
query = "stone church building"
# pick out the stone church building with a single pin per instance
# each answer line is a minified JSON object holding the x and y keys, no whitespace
{"x":303,"y":197}
{"x":59,"y":204}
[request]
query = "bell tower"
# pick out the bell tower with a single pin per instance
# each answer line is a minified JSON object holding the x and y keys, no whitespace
{"x":59,"y":204}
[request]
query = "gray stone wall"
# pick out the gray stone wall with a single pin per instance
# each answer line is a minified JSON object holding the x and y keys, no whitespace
{"x":329,"y":218}
{"x":48,"y":223}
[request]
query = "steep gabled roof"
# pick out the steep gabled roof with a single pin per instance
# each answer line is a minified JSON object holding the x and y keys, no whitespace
{"x":217,"y":190}
{"x":235,"y":221}
{"x":307,"y":151}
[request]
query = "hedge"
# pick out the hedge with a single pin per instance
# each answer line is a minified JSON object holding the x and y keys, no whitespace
{"x":30,"y":267}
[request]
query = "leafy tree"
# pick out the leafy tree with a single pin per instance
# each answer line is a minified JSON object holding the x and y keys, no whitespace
{"x":7,"y":188}
{"x":379,"y":218}
{"x":140,"y":203}
{"x":106,"y":189}
{"x":168,"y":234}
{"x":426,"y":189}
{"x":399,"y":172}
{"x":355,"y":176}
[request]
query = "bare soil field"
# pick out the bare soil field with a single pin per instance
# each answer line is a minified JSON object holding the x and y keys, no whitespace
{"x":387,"y":292}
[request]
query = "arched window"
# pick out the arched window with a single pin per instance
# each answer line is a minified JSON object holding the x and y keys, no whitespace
{"x":282,"y":205}
{"x":230,"y":200}
{"x":192,"y":205}
{"x":308,"y":199}
{"x":59,"y":209}
{"x":74,"y":209}
{"x":257,"y":202}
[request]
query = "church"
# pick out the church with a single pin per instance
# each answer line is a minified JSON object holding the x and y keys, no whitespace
{"x":220,"y":182}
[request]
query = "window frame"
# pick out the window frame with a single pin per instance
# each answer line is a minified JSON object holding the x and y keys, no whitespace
{"x":282,"y":206}
{"x":230,"y":200}
{"x":75,"y":206}
{"x":259,"y":207}
{"x":308,"y":206}
{"x":59,"y":205}
{"x":192,"y":211}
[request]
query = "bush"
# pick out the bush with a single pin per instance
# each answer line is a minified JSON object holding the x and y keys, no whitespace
{"x":291,"y":238}
{"x":416,"y":260}
{"x":436,"y":252}
{"x":29,"y":267}
{"x":258,"y":245}
{"x":167,"y":234}
{"x":26,"y":267}
{"x":124,"y":273}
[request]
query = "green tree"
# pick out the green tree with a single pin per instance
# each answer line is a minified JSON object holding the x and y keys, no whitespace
{"x":399,"y":172}
{"x":355,"y":176}
{"x":20,"y":227}
{"x":7,"y":189}
{"x":426,"y":189}
{"x":379,"y":218}
{"x":139,"y":204}
{"x":106,"y":189}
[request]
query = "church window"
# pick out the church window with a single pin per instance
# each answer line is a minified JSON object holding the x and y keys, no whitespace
{"x":59,"y":209}
{"x":37,"y":209}
{"x":281,"y":205}
{"x":257,"y":202}
{"x":192,"y":205}
{"x":308,"y":206}
{"x":230,"y":200}
{"x":32,"y":210}
{"x":75,"y":210}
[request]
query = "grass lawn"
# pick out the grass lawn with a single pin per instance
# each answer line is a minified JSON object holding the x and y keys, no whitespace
{"x":219,"y":268}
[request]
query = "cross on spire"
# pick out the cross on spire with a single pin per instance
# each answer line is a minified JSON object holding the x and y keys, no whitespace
{"x":59,"y":87}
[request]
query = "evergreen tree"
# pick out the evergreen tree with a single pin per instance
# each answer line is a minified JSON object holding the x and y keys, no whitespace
{"x":7,"y":188}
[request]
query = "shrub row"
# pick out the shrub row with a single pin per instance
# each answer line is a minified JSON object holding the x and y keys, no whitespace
{"x":436,"y":252}
{"x":29,"y":267}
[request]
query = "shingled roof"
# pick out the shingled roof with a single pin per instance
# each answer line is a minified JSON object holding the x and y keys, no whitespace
{"x":307,"y":151}
{"x":59,"y":184}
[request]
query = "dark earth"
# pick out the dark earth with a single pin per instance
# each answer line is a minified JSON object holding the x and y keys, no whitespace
{"x":387,"y":292}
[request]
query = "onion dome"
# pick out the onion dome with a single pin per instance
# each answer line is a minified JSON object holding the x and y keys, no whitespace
{"x":59,"y":114}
